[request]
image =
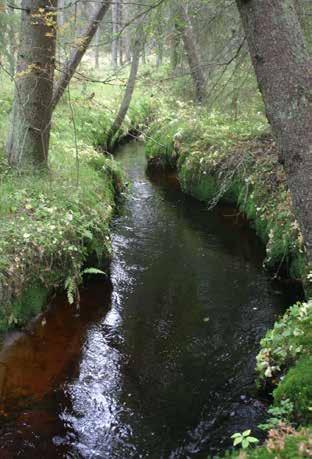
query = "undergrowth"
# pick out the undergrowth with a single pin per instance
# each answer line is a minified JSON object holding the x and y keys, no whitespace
{"x":51,"y":222}
{"x":218,"y":158}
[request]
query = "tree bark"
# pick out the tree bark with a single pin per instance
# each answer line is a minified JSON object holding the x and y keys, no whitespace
{"x":97,"y":49}
{"x":28,"y":140}
{"x":186,"y":30}
{"x":74,"y":60}
{"x":125,"y":103}
{"x":115,"y":40}
{"x":284,"y":72}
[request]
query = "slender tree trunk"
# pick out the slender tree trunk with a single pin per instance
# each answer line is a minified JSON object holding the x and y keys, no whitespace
{"x":159,"y":45}
{"x":126,"y":34}
{"x":115,"y":42}
{"x":174,"y":37}
{"x":12,"y":43}
{"x":74,"y":60}
{"x":28,"y":141}
{"x":120,"y":41}
{"x":97,"y":49}
{"x":60,"y":13}
{"x":284,"y":72}
{"x":125,"y":103}
{"x":186,"y":30}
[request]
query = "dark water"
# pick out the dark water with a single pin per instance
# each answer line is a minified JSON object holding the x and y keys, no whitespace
{"x":162,"y":365}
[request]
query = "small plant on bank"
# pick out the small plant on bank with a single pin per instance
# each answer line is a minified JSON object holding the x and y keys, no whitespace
{"x":278,"y":415}
{"x":245,"y":440}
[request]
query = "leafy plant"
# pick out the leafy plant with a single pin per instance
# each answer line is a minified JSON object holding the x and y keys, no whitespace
{"x":279,"y":414}
{"x":244,"y":439}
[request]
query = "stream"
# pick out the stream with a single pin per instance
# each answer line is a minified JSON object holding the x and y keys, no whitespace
{"x":159,"y":362}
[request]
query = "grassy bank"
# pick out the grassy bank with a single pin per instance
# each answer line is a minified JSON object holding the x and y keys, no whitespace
{"x":50,"y":223}
{"x":218,"y":158}
{"x":236,"y":161}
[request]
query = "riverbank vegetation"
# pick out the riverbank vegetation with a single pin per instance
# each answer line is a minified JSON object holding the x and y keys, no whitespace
{"x":66,"y":103}
{"x":52,"y":221}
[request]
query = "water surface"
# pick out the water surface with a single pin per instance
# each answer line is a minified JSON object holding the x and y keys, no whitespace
{"x":162,"y":366}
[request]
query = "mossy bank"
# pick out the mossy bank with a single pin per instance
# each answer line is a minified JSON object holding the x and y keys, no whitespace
{"x":52,"y":222}
{"x":217,"y":158}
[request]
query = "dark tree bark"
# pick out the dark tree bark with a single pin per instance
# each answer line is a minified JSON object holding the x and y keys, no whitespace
{"x":186,"y":30}
{"x":74,"y":60}
{"x":284,"y":73}
{"x":28,"y":141}
{"x":125,"y":103}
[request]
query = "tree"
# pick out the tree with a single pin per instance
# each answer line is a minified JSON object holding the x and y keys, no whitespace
{"x":186,"y":30}
{"x":28,"y":140}
{"x":284,"y":74}
{"x":125,"y":103}
{"x":84,"y":40}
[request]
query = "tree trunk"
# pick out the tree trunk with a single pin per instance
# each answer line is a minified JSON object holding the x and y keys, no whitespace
{"x":125,"y":103}
{"x":97,"y":49}
{"x":186,"y":30}
{"x":283,"y":69}
{"x":74,"y":60}
{"x":174,"y":37}
{"x":120,"y":40}
{"x":28,"y":141}
{"x":115,"y":42}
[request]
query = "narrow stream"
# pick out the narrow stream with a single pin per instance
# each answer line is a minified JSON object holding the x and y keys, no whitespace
{"x":162,"y":365}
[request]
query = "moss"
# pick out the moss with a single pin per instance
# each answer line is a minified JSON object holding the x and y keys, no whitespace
{"x":245,"y":172}
{"x":30,"y":303}
{"x":51,"y":223}
{"x":296,"y":386}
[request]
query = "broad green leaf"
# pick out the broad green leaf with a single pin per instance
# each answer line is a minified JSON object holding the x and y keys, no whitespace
{"x":245,"y":443}
{"x":253,"y":440}
{"x":237,"y":441}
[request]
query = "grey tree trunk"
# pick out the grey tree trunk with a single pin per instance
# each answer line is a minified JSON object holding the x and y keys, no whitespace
{"x":115,"y":40}
{"x":174,"y":37}
{"x":97,"y":49}
{"x":120,"y":40}
{"x":125,"y":103}
{"x":186,"y":30}
{"x":74,"y":60}
{"x":28,"y":141}
{"x":283,"y":69}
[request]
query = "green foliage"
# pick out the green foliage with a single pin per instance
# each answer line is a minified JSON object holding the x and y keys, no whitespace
{"x":29,"y":304}
{"x":232,"y":160}
{"x":290,"y":338}
{"x":296,"y":387}
{"x":283,"y":443}
{"x":51,"y":222}
{"x":244,"y":439}
{"x":280,"y":413}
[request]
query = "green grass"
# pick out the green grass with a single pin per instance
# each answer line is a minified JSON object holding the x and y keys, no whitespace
{"x":235,"y":161}
{"x":51,"y":222}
